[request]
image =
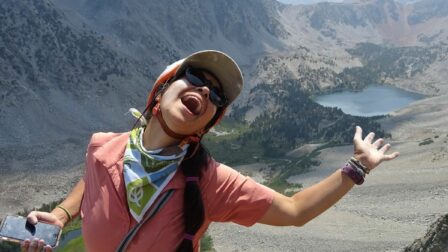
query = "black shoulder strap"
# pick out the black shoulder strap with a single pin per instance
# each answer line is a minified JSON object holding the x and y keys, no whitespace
{"x":157,"y":206}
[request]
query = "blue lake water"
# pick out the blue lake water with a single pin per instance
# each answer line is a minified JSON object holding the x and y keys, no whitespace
{"x":65,"y":239}
{"x":373,"y":100}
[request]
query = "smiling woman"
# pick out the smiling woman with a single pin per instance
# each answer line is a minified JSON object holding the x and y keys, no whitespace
{"x":156,"y":188}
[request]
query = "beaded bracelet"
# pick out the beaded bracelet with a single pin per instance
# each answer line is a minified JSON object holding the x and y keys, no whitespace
{"x":355,"y":162}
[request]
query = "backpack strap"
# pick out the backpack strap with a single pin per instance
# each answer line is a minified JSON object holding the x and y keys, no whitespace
{"x":157,"y":206}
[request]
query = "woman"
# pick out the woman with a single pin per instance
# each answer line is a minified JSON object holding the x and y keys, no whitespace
{"x":160,"y":174}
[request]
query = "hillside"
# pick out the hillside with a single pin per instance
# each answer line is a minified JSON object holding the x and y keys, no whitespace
{"x":64,"y":57}
{"x":396,"y":205}
{"x":291,"y":120}
{"x":54,"y":84}
{"x":159,"y":32}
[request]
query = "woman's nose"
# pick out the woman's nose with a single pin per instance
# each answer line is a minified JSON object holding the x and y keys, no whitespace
{"x":205,"y":91}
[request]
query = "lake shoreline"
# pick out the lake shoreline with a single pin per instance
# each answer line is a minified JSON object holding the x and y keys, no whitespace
{"x":374,"y":100}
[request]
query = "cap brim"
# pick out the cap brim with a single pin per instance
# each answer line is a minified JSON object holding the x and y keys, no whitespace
{"x":222,"y":66}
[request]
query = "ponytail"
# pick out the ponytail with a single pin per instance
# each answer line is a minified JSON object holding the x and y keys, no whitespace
{"x":194,"y":212}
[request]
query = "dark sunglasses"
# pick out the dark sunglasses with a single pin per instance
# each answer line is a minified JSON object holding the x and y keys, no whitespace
{"x":197,"y":78}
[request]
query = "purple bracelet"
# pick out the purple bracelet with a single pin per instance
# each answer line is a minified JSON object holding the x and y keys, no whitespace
{"x":352,"y":173}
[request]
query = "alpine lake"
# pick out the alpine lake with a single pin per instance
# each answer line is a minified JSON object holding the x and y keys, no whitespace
{"x":374,"y":100}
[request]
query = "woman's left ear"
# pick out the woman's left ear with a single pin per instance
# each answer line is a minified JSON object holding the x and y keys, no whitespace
{"x":156,"y":109}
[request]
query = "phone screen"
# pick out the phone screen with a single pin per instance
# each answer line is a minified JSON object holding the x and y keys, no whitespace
{"x":16,"y":228}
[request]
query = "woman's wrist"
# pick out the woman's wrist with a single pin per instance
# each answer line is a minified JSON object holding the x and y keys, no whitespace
{"x":361,"y":158}
{"x":60,"y":215}
{"x":355,"y":170}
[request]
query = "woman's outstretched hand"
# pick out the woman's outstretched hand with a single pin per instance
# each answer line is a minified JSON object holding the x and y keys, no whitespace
{"x":36,"y":244}
{"x":371,"y":153}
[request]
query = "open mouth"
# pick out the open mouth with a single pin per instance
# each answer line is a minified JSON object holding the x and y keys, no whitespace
{"x":192,"y":103}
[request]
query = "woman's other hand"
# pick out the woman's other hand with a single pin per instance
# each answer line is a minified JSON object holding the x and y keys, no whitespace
{"x":371,"y":153}
{"x":36,"y":244}
{"x":50,"y":218}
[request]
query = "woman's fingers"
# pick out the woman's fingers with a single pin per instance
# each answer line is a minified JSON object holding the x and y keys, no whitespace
{"x":387,"y":157}
{"x":358,"y":134}
{"x":35,"y":216}
{"x":378,"y":143}
{"x":391,"y":156}
{"x":32,"y":217}
{"x":48,"y":248}
{"x":369,"y":138}
{"x":384,"y":149}
{"x":33,"y":245}
{"x":40,"y":245}
{"x":24,"y":245}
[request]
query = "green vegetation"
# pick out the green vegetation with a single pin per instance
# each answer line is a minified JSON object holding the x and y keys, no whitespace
{"x":207,"y":243}
{"x":75,"y":245}
{"x":382,"y":62}
{"x":293,"y":121}
{"x":426,"y":142}
{"x":9,"y":247}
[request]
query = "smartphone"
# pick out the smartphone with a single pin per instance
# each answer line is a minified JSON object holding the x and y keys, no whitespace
{"x":17,"y":229}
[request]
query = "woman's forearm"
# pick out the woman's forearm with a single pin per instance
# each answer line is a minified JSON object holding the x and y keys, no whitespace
{"x":72,"y":203}
{"x":314,"y":200}
{"x":309,"y":203}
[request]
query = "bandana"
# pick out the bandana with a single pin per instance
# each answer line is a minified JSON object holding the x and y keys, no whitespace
{"x":147,"y":172}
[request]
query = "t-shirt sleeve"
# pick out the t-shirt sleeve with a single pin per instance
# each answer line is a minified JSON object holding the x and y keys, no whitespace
{"x":231,"y":196}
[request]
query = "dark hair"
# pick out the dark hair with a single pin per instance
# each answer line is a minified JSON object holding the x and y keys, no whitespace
{"x":194,"y":212}
{"x":196,"y":160}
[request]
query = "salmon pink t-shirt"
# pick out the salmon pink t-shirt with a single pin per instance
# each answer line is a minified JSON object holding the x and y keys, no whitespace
{"x":227,"y":196}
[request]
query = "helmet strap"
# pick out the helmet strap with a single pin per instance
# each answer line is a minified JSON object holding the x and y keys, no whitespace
{"x":156,"y":111}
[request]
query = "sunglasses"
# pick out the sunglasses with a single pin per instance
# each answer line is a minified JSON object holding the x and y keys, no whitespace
{"x":197,"y":78}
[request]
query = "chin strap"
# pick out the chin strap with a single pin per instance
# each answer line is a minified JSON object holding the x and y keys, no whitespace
{"x":157,"y":112}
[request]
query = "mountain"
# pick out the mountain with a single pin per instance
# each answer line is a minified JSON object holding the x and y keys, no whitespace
{"x":308,"y":1}
{"x":70,"y":68}
{"x":79,"y":65}
{"x":337,"y":1}
{"x":55,"y":80}
{"x":161,"y":32}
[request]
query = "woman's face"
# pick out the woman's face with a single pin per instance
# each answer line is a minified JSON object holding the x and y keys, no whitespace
{"x":187,"y":109}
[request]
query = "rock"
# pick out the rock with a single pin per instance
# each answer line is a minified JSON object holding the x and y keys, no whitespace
{"x":436,"y":238}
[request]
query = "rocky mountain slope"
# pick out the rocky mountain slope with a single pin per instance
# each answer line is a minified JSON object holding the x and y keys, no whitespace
{"x":436,"y":239}
{"x":57,"y":53}
{"x":54,"y":81}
